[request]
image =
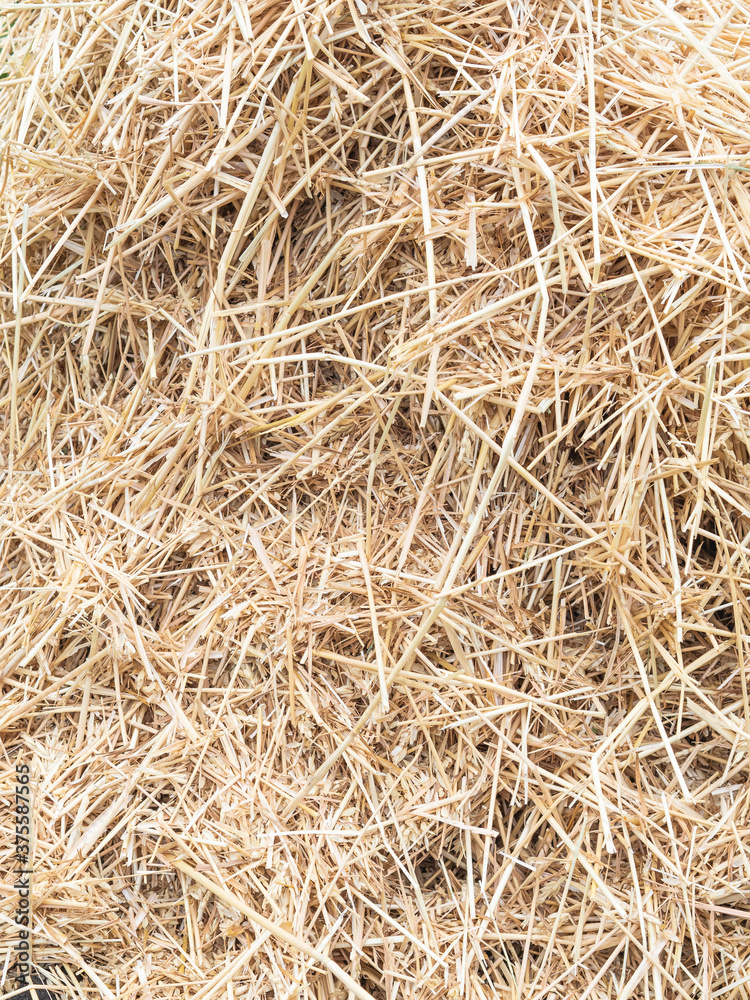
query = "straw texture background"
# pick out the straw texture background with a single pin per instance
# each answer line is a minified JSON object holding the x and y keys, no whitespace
{"x":374,"y":527}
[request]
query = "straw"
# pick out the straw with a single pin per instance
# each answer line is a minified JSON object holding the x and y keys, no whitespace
{"x":374,"y":532}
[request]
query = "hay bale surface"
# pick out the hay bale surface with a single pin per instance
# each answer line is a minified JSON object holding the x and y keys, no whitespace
{"x":374,"y":426}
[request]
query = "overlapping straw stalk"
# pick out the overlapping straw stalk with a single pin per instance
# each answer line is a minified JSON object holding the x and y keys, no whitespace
{"x":375,"y":532}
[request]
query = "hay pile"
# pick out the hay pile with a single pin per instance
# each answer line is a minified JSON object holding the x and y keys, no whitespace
{"x":375,"y":526}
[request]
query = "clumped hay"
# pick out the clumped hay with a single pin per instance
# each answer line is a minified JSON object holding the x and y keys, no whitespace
{"x":375,"y":561}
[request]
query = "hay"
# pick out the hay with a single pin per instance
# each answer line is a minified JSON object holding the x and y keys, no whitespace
{"x":375,"y":533}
